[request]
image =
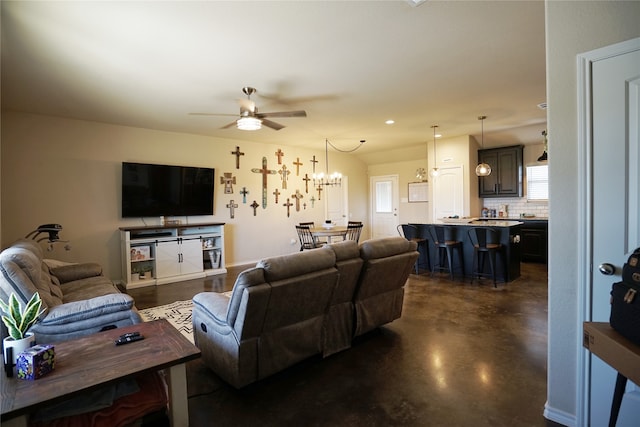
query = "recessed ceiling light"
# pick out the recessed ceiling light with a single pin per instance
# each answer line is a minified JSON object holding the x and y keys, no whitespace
{"x":437,"y":135}
{"x":390,"y":122}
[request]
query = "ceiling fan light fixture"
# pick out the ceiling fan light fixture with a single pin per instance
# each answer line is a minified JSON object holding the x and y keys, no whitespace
{"x":249,"y":123}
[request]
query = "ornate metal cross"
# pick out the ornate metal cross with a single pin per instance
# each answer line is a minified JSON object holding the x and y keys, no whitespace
{"x":244,"y":193}
{"x":285,"y":175}
{"x":228,"y":182}
{"x":264,"y":171}
{"x":237,"y":153}
{"x":297,"y":196}
{"x":254,"y":205}
{"x":280,"y":154}
{"x":288,"y":205}
{"x":306,"y":180}
{"x":276,"y":193}
{"x":232,"y":208}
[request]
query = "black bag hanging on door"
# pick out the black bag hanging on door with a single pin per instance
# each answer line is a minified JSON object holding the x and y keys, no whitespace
{"x":625,"y":300}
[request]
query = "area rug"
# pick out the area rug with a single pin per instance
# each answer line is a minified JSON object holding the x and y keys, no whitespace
{"x":178,"y":314}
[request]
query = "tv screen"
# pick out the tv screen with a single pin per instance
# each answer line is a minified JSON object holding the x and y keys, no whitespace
{"x":165,"y":190}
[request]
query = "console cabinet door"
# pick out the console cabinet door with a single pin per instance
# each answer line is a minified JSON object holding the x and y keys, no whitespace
{"x":505,"y":179}
{"x":191,"y":256}
{"x":167,"y":259}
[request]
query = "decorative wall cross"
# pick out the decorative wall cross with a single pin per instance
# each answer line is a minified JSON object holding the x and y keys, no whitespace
{"x":313,"y":201}
{"x":304,"y":205}
{"x":244,"y":193}
{"x":314,"y":161}
{"x":297,"y":196}
{"x":285,"y":174}
{"x":280,"y":154}
{"x":319,"y":189}
{"x":254,"y":205}
{"x":228,"y":182}
{"x":237,"y":154}
{"x":264,"y":171}
{"x":306,"y":180}
{"x":232,"y":208}
{"x":298,"y":164}
{"x":288,"y":205}
{"x":276,"y":193}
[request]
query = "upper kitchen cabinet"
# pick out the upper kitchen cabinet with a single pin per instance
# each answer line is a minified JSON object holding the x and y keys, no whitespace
{"x":505,"y":179}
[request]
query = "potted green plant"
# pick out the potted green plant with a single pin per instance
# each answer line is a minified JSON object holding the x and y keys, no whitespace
{"x":18,"y":322}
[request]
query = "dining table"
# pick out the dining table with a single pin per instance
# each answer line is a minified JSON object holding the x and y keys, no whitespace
{"x":328,"y":232}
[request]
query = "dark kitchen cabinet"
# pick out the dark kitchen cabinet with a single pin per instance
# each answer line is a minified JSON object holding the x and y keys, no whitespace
{"x":505,"y":179}
{"x":533,"y":241}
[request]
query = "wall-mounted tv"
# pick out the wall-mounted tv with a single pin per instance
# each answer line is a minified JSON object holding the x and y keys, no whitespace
{"x":166,"y":190}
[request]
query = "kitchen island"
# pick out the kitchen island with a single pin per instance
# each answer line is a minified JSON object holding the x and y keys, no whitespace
{"x":507,"y":266}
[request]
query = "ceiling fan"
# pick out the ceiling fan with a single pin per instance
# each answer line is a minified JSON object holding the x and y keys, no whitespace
{"x":250,"y":118}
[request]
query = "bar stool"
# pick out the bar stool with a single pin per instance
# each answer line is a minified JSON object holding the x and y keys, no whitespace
{"x":411,"y":232}
{"x":485,"y":241}
{"x":444,"y":240}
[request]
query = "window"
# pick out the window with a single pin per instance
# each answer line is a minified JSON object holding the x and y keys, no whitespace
{"x":538,"y":182}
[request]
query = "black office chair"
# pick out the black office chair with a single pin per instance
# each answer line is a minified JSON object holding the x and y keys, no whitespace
{"x":485,"y":241}
{"x":306,"y":238}
{"x":412,"y":233}
{"x":445,"y":242}
{"x":353,"y":232}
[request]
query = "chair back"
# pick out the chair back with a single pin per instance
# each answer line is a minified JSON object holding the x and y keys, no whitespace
{"x":481,"y":237}
{"x":441,"y":234}
{"x":409,"y":232}
{"x":310,"y":224}
{"x":354,"y":223}
{"x":305,"y":236}
{"x":353,"y":232}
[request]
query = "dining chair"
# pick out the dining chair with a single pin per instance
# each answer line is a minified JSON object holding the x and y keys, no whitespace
{"x":312,"y":224}
{"x":485,"y":240}
{"x":306,"y":238}
{"x":353,"y":232}
{"x":412,"y":233}
{"x":354,"y":223}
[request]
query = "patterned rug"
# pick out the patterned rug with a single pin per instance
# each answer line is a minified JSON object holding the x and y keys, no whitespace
{"x":177,"y":313}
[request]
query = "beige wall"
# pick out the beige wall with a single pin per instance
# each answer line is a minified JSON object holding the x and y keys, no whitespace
{"x":572,"y":28}
{"x":68,"y":172}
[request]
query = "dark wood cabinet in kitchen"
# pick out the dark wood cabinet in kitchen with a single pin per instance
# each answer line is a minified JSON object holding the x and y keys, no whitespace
{"x":505,"y":179}
{"x":533,"y":241}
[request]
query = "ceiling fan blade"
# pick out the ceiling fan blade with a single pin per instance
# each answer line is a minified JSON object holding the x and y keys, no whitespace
{"x":212,"y":114}
{"x":272,"y":125}
{"x":298,"y":113}
{"x":233,"y":123}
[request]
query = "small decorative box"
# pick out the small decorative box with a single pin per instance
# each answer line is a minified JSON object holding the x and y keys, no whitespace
{"x":35,"y":362}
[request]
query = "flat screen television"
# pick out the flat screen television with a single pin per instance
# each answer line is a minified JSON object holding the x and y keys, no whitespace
{"x":166,"y":190}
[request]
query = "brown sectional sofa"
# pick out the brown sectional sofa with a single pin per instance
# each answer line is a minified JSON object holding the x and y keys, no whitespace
{"x":291,"y":307}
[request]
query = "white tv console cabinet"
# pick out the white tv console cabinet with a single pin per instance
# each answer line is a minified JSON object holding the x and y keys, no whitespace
{"x":156,"y":255}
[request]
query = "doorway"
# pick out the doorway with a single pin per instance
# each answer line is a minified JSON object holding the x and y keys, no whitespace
{"x":384,"y":206}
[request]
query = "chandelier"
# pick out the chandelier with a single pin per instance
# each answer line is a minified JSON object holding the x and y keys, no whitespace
{"x":334,"y":179}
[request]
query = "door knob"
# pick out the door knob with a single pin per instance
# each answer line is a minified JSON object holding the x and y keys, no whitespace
{"x":607,"y":269}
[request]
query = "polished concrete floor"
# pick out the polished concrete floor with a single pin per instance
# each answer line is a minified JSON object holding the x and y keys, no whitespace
{"x":462,"y":354}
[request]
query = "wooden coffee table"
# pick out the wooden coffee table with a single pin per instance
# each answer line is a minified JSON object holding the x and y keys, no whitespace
{"x":93,"y":361}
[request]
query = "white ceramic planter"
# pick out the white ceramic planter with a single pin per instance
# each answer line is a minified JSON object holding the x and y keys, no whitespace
{"x":18,"y":346}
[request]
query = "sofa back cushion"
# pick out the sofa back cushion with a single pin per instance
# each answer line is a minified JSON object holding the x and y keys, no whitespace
{"x":387,"y":264}
{"x":24,"y":273}
{"x":349,"y":265}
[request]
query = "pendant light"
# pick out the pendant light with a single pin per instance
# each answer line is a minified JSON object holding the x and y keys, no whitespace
{"x":483,"y":169}
{"x":434,"y":172}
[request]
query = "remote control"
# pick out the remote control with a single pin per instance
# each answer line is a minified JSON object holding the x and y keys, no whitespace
{"x":128,"y":339}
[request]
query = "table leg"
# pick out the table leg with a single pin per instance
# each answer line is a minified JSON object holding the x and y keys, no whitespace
{"x":621,"y":383}
{"x":178,"y":399}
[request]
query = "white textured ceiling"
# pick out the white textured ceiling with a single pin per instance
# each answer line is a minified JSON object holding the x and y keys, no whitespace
{"x":350,"y":64}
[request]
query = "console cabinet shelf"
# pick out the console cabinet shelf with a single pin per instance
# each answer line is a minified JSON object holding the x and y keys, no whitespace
{"x":164,"y":254}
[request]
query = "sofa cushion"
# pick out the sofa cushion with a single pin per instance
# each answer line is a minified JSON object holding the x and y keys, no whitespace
{"x":387,"y":246}
{"x":297,"y":264}
{"x":90,"y":287}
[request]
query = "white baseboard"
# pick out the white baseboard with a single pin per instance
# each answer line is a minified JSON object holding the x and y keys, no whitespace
{"x":560,"y":417}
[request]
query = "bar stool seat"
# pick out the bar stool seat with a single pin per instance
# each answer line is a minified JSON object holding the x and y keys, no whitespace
{"x":485,"y":241}
{"x":445,"y":242}
{"x":411,"y":232}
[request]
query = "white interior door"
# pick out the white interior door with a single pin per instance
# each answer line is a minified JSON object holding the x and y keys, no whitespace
{"x":337,"y":203}
{"x":384,"y":206}
{"x":448,"y":192}
{"x":615,"y":104}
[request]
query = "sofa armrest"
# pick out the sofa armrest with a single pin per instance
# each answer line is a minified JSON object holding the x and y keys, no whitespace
{"x":78,"y":311}
{"x":71,"y":272}
{"x":214,"y":306}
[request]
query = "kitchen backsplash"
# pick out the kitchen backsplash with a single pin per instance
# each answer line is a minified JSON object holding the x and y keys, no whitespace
{"x":517,"y":206}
